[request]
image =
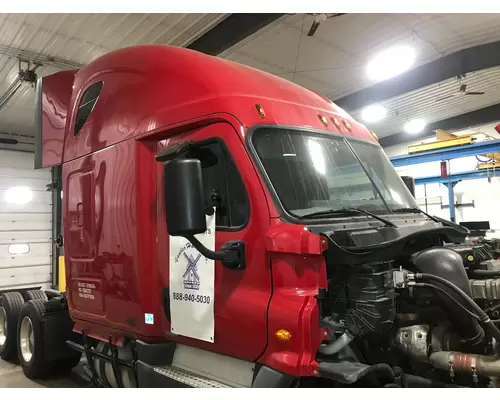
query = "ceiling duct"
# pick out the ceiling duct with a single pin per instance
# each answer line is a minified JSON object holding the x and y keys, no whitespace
{"x":318,"y":19}
{"x":37,"y":58}
{"x":11,"y":91}
{"x":27,"y":75}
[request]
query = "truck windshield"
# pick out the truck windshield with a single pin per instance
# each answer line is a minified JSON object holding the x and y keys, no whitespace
{"x":312,"y":172}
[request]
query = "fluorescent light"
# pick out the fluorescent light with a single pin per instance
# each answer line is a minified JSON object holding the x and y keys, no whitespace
{"x":289,"y":155}
{"x":390,"y":62}
{"x":19,"y":195}
{"x":414,"y":126}
{"x":373,"y":113}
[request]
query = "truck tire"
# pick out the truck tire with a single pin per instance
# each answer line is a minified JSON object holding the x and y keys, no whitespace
{"x":30,"y":347}
{"x":35,"y":295}
{"x":65,"y":365}
{"x":10,"y":306}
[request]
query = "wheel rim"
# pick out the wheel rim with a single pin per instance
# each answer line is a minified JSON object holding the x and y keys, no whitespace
{"x":26,"y":339}
{"x":3,"y":326}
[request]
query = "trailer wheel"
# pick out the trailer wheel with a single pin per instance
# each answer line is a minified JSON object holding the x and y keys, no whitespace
{"x":10,"y":305}
{"x":35,"y":295}
{"x":30,"y":349}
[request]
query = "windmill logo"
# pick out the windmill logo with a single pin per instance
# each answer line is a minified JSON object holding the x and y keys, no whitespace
{"x":191,"y":279}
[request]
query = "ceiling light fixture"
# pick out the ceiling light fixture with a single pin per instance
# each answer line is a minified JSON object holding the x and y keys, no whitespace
{"x":373,"y":113}
{"x":414,"y":126}
{"x":391,"y":62}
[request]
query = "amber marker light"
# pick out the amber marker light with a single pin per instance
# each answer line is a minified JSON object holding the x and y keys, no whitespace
{"x":283,"y":335}
{"x":260,"y":110}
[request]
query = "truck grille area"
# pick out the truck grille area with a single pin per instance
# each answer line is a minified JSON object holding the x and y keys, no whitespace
{"x":363,"y":297}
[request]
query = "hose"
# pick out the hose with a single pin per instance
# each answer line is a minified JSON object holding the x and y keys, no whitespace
{"x":398,"y":371}
{"x":415,"y":381}
{"x":483,"y":317}
{"x":430,"y":285}
{"x":337,"y":345}
{"x":381,"y":371}
{"x":492,"y":308}
{"x":485,"y":273}
{"x":347,"y":372}
{"x":464,"y":362}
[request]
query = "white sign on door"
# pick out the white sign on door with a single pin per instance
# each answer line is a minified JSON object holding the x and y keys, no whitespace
{"x":192,"y":280}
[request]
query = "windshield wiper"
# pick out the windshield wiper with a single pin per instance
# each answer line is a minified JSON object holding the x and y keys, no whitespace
{"x":350,"y":210}
{"x":435,"y":219}
{"x":415,"y":211}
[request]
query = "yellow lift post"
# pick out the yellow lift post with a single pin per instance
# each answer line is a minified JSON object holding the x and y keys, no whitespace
{"x":62,"y":275}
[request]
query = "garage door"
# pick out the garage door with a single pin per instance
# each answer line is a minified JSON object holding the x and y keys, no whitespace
{"x":25,"y":223}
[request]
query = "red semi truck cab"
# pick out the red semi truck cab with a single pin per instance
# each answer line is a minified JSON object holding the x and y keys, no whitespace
{"x":246,"y":167}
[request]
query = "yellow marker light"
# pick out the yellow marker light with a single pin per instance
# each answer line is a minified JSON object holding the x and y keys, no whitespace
{"x":260,"y":110}
{"x":347,"y":125}
{"x":323,"y":120}
{"x":336,"y":123}
{"x":470,"y":258}
{"x":283,"y":335}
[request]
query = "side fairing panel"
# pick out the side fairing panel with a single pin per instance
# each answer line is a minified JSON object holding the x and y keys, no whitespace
{"x":105,"y":275}
{"x":52,"y":103}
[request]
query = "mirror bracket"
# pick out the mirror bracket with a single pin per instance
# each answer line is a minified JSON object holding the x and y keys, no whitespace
{"x":232,"y":254}
{"x":236,"y":251}
{"x":172,"y":152}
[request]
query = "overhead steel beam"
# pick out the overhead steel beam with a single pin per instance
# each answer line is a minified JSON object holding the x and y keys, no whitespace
{"x":463,"y":121}
{"x":450,"y":153}
{"x":230,"y":31}
{"x":476,"y":174}
{"x":461,"y":62}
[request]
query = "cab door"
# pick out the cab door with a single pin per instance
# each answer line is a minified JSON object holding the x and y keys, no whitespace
{"x":241,"y":297}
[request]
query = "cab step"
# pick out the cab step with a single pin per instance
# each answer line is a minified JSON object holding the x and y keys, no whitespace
{"x":187,"y":378}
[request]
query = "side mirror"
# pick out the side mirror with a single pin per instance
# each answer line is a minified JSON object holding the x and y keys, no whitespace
{"x":185,"y":211}
{"x":184,"y":203}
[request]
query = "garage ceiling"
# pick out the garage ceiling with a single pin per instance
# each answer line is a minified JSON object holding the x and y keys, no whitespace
{"x":62,"y":41}
{"x":427,"y":102}
{"x":331,"y":62}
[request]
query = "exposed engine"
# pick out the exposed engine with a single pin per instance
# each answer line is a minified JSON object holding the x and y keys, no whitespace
{"x":415,"y":304}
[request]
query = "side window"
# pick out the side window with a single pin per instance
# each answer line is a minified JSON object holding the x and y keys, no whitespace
{"x":86,"y":105}
{"x":222,"y":179}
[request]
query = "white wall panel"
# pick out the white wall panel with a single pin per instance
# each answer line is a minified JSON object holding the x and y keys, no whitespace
{"x":25,"y":227}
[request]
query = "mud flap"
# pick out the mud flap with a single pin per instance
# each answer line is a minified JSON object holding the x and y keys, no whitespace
{"x":57,"y":328}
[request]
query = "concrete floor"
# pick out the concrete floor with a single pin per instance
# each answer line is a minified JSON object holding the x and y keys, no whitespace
{"x":11,"y":376}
